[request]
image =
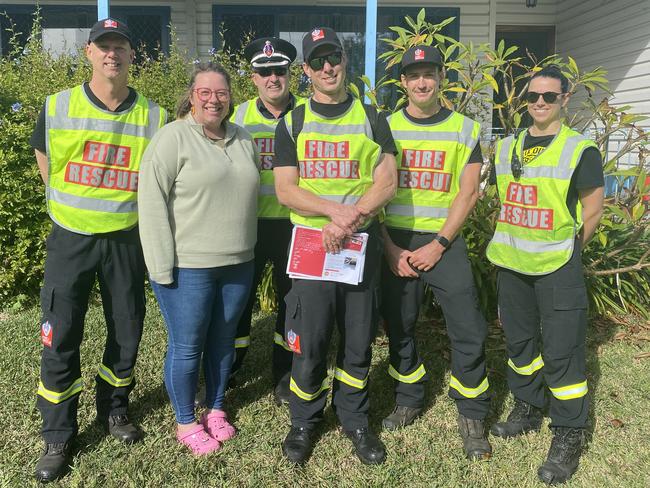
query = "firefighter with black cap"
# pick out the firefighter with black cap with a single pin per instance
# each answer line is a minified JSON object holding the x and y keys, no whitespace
{"x":550,"y":181}
{"x":439,"y":164}
{"x":334,"y":168}
{"x":88,"y":143}
{"x":270,"y":59}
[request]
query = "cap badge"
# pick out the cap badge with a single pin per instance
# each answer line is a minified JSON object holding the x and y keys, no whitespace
{"x":110,"y":24}
{"x":268,"y":49}
{"x":419,"y":54}
{"x":317,"y":34}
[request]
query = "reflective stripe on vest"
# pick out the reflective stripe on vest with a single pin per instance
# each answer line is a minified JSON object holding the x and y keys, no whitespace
{"x":535,"y":232}
{"x":308,"y":396}
{"x":336,"y":157}
{"x":465,"y":390}
{"x":350,"y":380}
{"x":570,"y":392}
{"x":107,"y":375}
{"x":430,"y":161}
{"x":93,"y":160}
{"x":527,"y":370}
{"x":279,"y":340}
{"x":413,"y":377}
{"x":262,"y":129}
{"x":56,"y":397}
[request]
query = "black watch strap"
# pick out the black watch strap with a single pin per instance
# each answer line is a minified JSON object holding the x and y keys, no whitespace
{"x":444,"y":242}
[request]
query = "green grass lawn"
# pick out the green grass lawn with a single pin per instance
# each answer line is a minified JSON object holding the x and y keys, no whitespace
{"x":428,"y":453}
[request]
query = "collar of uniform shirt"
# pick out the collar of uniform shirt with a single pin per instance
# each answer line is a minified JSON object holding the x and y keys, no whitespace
{"x":265,"y":111}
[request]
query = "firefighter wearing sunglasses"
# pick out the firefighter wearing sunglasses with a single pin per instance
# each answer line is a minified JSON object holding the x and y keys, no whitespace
{"x":439,"y":169}
{"x":270,"y":59}
{"x":550,"y":182}
{"x":335,"y":169}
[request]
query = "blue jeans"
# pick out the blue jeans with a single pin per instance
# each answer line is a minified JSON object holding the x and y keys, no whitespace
{"x":201,"y":309}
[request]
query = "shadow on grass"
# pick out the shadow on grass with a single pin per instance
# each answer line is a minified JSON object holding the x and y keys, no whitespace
{"x":600,"y":331}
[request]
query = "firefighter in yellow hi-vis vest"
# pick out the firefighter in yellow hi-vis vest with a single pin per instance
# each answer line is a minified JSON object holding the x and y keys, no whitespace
{"x":439,"y":164}
{"x":334,"y":168}
{"x":550,"y":182}
{"x":88,"y":142}
{"x":270,"y":60}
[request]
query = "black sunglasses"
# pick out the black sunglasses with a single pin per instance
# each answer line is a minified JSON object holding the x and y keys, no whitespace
{"x":549,"y":97}
{"x":266,"y":72}
{"x":515,"y":166}
{"x":333,"y":59}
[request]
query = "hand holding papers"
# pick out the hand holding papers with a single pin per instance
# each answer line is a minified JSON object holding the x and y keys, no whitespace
{"x":309,"y":261}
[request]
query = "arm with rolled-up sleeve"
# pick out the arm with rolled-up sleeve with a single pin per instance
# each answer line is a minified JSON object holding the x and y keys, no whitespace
{"x":158,"y":173}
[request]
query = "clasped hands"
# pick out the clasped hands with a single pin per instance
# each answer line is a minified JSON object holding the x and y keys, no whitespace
{"x":406,"y":264}
{"x":345,"y":221}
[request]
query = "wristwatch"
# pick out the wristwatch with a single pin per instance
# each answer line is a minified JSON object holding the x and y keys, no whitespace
{"x":444,"y":242}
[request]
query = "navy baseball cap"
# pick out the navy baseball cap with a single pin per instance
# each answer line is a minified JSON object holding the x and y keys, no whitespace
{"x":109,"y":26}
{"x":319,"y":36}
{"x":421,"y":54}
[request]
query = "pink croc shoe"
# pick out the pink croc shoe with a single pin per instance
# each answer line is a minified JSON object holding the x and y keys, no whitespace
{"x":216,"y":424}
{"x":198,"y":440}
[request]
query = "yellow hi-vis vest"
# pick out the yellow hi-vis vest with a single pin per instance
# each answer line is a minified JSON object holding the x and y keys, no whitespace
{"x":248,"y":116}
{"x":535,"y":231}
{"x":430,"y":162}
{"x":93,"y":160}
{"x":336,"y":157}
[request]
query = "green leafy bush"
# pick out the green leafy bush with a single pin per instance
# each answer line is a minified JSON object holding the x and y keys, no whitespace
{"x":617,"y":261}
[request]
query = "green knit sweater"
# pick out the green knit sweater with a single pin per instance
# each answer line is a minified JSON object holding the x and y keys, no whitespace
{"x":197,"y":199}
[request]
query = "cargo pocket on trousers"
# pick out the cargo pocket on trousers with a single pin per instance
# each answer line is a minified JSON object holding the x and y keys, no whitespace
{"x":569,"y":298}
{"x":569,"y":321}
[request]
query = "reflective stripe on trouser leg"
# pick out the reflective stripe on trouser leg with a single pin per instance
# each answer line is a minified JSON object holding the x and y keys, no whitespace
{"x":109,"y":377}
{"x":570,"y":392}
{"x":519,"y":316}
{"x":58,"y":397}
{"x":242,"y":342}
{"x":350,"y":380}
{"x":308,"y":396}
{"x":527,"y":369}
{"x":466,"y":391}
{"x":412,"y":377}
{"x":401,"y":316}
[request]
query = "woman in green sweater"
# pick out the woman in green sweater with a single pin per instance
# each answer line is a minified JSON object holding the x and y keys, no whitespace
{"x":197,"y":201}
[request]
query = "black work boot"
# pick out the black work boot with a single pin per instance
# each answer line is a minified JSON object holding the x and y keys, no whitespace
{"x":522,"y":418}
{"x":298,"y":444}
{"x":401,"y":416}
{"x":475,"y":441}
{"x":120,"y":427}
{"x":54,"y":462}
{"x":281,"y":391}
{"x":367,"y":446}
{"x":563,"y":456}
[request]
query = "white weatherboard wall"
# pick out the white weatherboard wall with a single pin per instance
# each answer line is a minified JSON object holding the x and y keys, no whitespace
{"x":614,"y":35}
{"x":515,"y":12}
{"x":180,"y":15}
